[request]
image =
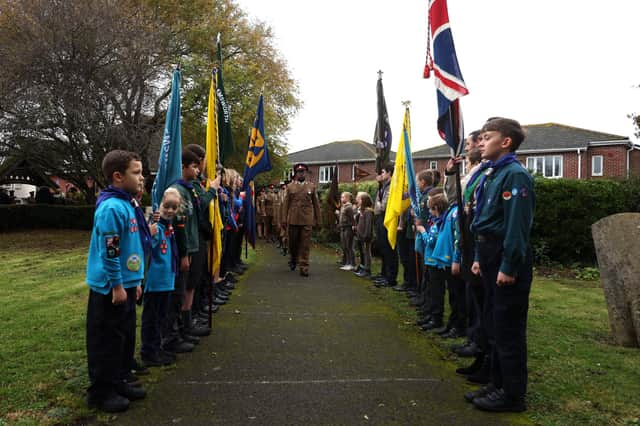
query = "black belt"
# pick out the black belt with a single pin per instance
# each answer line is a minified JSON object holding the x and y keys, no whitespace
{"x":487,"y":238}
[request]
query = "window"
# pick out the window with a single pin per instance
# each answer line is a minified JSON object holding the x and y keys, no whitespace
{"x":596,"y":165}
{"x":325,"y":174}
{"x":548,"y":166}
{"x":287,"y":174}
{"x":433,"y":165}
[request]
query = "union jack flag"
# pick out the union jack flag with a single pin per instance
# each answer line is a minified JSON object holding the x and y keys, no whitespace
{"x":448,"y":77}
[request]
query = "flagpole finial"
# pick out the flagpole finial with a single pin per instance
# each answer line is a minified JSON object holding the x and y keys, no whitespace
{"x":406,"y":104}
{"x":380,"y":74}
{"x":218,"y":37}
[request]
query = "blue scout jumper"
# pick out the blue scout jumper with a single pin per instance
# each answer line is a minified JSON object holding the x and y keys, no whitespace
{"x":446,"y":252}
{"x":159,"y":284}
{"x":436,"y":287}
{"x":502,"y":227}
{"x":116,"y":256}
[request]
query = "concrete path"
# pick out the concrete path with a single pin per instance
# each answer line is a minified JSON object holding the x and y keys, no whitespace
{"x":325,"y":349}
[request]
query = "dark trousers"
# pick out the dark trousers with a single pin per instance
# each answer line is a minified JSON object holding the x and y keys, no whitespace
{"x":238,"y":237}
{"x":130,"y":333}
{"x":509,"y":306}
{"x":107,"y":337}
{"x":475,"y":301}
{"x":407,"y":253}
{"x":437,"y":287}
{"x":457,"y":302}
{"x":170,"y":325}
{"x":389,"y":255}
{"x":155,"y":310}
{"x":346,"y":241}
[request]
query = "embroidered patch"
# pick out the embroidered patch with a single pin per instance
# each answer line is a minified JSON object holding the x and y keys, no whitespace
{"x":113,"y":247}
{"x":523,"y":192}
{"x":163,"y":246}
{"x":506,"y":195}
{"x":514,"y":192}
{"x":134,"y":263}
{"x":133,"y":227}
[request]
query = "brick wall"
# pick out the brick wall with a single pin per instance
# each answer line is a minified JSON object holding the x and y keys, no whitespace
{"x":634,"y":162}
{"x":614,"y":161}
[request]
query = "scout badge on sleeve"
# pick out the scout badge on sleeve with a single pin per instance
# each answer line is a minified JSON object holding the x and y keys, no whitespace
{"x":113,"y":246}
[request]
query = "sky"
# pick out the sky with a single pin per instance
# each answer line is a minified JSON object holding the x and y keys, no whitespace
{"x":569,"y":62}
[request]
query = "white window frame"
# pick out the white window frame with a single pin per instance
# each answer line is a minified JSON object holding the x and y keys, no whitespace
{"x":324,"y":174}
{"x":433,"y":164}
{"x":593,"y":165}
{"x":534,"y":161}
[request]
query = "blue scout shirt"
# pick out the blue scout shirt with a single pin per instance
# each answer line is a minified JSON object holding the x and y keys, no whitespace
{"x":446,"y":251}
{"x":430,"y":238}
{"x":507,"y":213}
{"x":116,"y":255}
{"x":161,"y":275}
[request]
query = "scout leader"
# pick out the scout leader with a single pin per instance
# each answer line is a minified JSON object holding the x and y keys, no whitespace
{"x":301,"y":213}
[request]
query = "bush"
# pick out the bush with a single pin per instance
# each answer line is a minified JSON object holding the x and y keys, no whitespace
{"x":35,"y":216}
{"x":566,"y":209}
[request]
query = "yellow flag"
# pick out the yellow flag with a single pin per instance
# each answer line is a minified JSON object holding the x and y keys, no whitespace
{"x":398,"y":190}
{"x":215,"y":218}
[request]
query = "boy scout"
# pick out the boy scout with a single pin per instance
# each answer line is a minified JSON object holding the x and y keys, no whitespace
{"x":504,"y":215}
{"x":301,"y":213}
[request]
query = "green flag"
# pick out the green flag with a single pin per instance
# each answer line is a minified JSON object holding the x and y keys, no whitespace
{"x":225,"y":139}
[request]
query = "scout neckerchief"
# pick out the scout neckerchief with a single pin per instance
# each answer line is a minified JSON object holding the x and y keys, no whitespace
{"x":113,"y":192}
{"x":486,"y":169}
{"x":189,"y":186}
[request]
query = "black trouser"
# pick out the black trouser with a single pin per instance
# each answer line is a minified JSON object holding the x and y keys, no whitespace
{"x":389,"y":255}
{"x":170,"y":326}
{"x":153,"y":316}
{"x":106,"y":334}
{"x":437,"y":287}
{"x":475,"y":302}
{"x":407,"y":253}
{"x":237,"y":246}
{"x":508,"y":307}
{"x":457,"y":302}
{"x":129,"y":349}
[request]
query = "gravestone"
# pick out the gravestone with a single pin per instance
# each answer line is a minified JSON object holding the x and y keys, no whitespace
{"x":617,"y":242}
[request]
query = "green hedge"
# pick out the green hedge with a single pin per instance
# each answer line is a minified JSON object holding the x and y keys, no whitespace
{"x":565,"y":211}
{"x":32,"y":216}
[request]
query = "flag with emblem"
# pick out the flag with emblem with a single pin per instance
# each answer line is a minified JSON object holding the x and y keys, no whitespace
{"x":398,"y":200}
{"x":257,"y":162}
{"x":382,"y":135}
{"x":215,"y":218}
{"x":412,"y":187}
{"x":450,"y":85}
{"x":170,"y":160}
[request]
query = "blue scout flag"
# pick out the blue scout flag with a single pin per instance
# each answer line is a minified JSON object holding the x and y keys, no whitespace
{"x":257,"y":162}
{"x":412,"y":188}
{"x":170,"y":160}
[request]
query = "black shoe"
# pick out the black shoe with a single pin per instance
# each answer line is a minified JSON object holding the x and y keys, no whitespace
{"x":417,"y":301}
{"x":228,"y":286}
{"x":230,"y":278}
{"x":381,"y":283}
{"x":169,"y":355}
{"x":424,"y":320}
{"x":442,"y":330}
{"x":179,"y":347}
{"x":205,"y":311}
{"x":483,"y":375}
{"x":431,"y":325}
{"x":479,"y":393}
{"x":112,"y":403}
{"x":132,"y":379}
{"x":156,"y":360}
{"x":218,"y":301}
{"x":498,"y":402}
{"x":237,"y":270}
{"x":198,"y":331}
{"x":190,"y":339}
{"x":468,"y":351}
{"x":292,"y":265}
{"x":453,"y":333}
{"x":222,"y":296}
{"x":130,"y":392}
{"x":139,"y":369}
{"x":376,"y":277}
{"x":473,"y":368}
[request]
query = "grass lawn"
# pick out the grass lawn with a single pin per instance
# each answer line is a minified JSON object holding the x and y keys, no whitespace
{"x":577,"y":376}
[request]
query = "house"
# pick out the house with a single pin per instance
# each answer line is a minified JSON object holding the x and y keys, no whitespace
{"x":354,"y":158}
{"x":552,"y":150}
{"x":559,"y":151}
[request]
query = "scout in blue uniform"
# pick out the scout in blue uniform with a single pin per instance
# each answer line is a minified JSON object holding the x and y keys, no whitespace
{"x":504,"y":215}
{"x":115,"y":268}
{"x":160,"y":281}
